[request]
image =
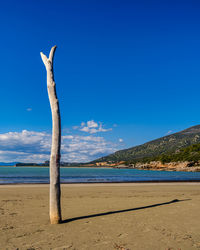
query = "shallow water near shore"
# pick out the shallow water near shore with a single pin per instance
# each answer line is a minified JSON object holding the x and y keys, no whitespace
{"x":17,"y":175}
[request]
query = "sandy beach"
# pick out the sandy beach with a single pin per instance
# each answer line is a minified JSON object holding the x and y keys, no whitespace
{"x":102,"y":216}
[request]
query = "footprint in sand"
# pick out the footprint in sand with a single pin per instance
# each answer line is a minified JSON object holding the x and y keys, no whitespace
{"x":122,"y":235}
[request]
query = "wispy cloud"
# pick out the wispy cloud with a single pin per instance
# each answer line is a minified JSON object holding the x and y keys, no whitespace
{"x":91,"y":127}
{"x":29,"y":109}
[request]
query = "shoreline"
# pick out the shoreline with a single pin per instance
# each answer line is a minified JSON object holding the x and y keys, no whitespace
{"x":104,"y":184}
{"x":146,"y":167}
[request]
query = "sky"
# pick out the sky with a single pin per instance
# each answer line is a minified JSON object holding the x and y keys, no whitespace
{"x":126,"y":72}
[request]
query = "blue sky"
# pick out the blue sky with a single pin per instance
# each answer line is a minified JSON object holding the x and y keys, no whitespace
{"x":129,"y":70}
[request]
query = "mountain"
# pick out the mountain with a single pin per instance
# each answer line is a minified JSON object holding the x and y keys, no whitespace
{"x":163,"y":145}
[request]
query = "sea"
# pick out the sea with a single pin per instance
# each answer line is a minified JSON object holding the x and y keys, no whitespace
{"x":20,"y":175}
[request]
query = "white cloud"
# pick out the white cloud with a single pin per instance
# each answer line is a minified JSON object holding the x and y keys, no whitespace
{"x":169,"y":132}
{"x":121,"y":140}
{"x":91,"y":124}
{"x":86,"y":129}
{"x":91,"y":127}
{"x":32,"y":146}
{"x":29,"y":109}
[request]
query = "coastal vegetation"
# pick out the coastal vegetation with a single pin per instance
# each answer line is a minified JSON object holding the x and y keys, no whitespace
{"x":162,"y":148}
{"x":190,"y":153}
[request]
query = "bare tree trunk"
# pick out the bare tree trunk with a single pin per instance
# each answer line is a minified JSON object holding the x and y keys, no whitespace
{"x":55,"y":208}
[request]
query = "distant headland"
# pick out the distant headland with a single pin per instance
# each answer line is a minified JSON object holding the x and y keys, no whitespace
{"x":175,"y":152}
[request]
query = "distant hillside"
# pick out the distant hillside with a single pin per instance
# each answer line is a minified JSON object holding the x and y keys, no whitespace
{"x":189,"y":154}
{"x":7,"y":163}
{"x":163,"y":145}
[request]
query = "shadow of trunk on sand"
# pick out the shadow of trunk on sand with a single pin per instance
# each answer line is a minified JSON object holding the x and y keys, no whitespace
{"x":122,"y":211}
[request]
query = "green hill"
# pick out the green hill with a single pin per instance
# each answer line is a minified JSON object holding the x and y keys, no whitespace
{"x":190,"y":153}
{"x":167,"y":144}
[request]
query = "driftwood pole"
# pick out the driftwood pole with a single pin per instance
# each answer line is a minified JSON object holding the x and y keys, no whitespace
{"x":55,"y":208}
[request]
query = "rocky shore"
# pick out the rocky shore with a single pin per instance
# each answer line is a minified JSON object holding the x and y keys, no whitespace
{"x":172,"y":166}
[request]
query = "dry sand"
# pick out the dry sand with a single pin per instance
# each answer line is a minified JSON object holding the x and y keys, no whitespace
{"x":103,"y":216}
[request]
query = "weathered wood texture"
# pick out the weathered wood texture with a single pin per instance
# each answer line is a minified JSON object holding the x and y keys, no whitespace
{"x":55,"y":207}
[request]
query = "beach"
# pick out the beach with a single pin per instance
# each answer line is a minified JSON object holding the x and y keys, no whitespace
{"x":102,"y":216}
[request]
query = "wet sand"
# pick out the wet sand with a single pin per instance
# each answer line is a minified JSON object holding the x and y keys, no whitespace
{"x":102,"y":216}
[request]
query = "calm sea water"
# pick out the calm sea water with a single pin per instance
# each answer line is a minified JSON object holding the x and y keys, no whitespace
{"x":77,"y":175}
